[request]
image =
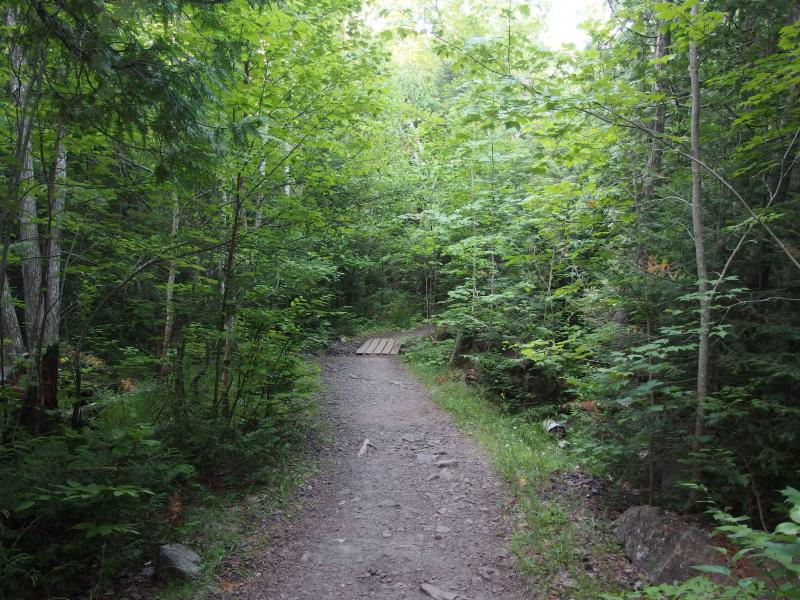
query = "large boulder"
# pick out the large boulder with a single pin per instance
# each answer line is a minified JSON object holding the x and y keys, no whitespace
{"x":177,"y":559}
{"x":663,"y":547}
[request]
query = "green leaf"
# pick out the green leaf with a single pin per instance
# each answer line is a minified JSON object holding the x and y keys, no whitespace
{"x":716,"y":569}
{"x":25,"y":505}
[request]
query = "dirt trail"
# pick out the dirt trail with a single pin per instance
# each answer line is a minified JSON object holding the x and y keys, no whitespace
{"x":382,"y":524}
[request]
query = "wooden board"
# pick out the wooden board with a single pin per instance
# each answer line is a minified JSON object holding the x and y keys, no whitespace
{"x":373,"y":343}
{"x":382,"y":346}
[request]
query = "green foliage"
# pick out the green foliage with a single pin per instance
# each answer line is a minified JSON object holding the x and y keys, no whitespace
{"x":549,"y":233}
{"x":217,"y":161}
{"x":241,"y":181}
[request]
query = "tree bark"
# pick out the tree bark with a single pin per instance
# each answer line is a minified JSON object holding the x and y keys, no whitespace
{"x":651,"y":176}
{"x":169,"y":319}
{"x":704,"y":341}
{"x":654,"y":159}
{"x":51,"y":302}
{"x":262,"y":169}
{"x":12,"y":347}
{"x":224,"y":346}
{"x":29,"y":231}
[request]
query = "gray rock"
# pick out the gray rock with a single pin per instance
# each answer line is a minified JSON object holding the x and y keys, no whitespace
{"x":437,"y":593}
{"x":180,"y":560}
{"x":450,"y":462}
{"x":425,"y":459}
{"x":662,"y":546}
{"x":442,"y":529}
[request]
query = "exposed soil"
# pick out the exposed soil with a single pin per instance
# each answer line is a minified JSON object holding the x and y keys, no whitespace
{"x":421,"y":506}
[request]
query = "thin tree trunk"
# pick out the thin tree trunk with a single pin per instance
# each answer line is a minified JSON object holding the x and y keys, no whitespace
{"x":287,"y":189}
{"x":652,"y":175}
{"x":654,"y":159}
{"x":227,"y":313}
{"x":169,"y":319}
{"x":704,"y":342}
{"x":260,"y":198}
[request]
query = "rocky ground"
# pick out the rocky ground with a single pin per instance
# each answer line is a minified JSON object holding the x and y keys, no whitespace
{"x":413,"y":513}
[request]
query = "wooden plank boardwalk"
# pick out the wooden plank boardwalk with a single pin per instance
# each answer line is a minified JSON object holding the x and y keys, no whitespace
{"x":379,"y":346}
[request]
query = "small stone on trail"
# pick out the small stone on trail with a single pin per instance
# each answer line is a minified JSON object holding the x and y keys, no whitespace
{"x":487,"y":573}
{"x":179,"y":559}
{"x":442,"y":529}
{"x":450,"y":462}
{"x":436,"y":593}
{"x":364,"y":446}
{"x":386,"y":533}
{"x":425,"y":459}
{"x":567,"y":580}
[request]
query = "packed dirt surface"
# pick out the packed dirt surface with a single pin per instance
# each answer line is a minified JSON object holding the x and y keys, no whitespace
{"x":415,"y":515}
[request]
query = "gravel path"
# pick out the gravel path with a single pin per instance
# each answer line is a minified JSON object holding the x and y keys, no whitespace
{"x":421,"y":506}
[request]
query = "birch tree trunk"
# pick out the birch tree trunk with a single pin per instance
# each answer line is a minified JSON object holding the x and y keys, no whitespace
{"x":51,"y":303}
{"x":29,"y":230}
{"x":169,"y":318}
{"x":704,"y":341}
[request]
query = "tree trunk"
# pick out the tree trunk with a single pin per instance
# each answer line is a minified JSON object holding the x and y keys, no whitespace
{"x":12,"y":347}
{"x":29,"y":230}
{"x":651,"y":176}
{"x":51,"y":303}
{"x":169,"y":319}
{"x":653,"y":168}
{"x":260,"y":197}
{"x":704,"y":342}
{"x":227,"y":313}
